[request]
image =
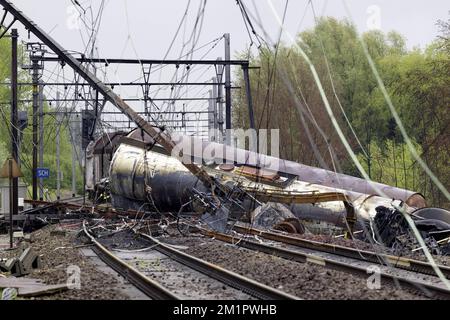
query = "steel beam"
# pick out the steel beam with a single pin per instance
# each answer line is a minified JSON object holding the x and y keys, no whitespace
{"x":249,"y":97}
{"x":226,"y":62}
{"x":123,"y":84}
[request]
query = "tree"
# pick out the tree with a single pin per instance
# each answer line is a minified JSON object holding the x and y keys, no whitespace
{"x":286,"y":97}
{"x":49,"y":125}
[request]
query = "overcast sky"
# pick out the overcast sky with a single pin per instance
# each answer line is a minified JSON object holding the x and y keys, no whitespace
{"x":151,"y":24}
{"x":145,"y":29}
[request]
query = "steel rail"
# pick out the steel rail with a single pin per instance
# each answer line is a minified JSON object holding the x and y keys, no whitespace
{"x":102,"y":210}
{"x":237,"y":281}
{"x":363,"y":255}
{"x":430,"y":290}
{"x":151,"y":288}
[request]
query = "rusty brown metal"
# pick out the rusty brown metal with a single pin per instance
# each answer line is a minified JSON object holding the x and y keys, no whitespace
{"x":226,"y":167}
{"x":297,"y":224}
{"x":288,"y":197}
{"x":286,"y":227}
{"x":257,"y":174}
{"x":416,"y":200}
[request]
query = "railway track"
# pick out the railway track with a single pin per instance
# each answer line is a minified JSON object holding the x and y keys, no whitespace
{"x":156,"y":291}
{"x":429,"y":289}
{"x":362,"y":255}
{"x":77,"y":204}
{"x":232,"y":279}
{"x":256,"y":289}
{"x":151,"y":288}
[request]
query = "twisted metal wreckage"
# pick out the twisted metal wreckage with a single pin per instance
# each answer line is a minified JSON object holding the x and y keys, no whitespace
{"x":264,"y":191}
{"x":233,"y":183}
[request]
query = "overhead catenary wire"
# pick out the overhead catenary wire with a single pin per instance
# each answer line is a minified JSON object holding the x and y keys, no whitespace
{"x":348,"y":147}
{"x":318,"y":83}
{"x":328,"y":67}
{"x":396,"y":117}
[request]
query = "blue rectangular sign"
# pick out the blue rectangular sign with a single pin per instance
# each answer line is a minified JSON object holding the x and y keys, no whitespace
{"x":43,"y":172}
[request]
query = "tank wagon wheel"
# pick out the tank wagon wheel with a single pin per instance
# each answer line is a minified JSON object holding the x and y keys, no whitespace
{"x":297,"y":224}
{"x":286,"y":227}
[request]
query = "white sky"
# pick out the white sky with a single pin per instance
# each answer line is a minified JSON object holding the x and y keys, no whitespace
{"x":144,"y":29}
{"x":152,"y":23}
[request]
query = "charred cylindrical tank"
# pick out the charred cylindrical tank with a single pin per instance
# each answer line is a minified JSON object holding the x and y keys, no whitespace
{"x":141,"y":172}
{"x":137,"y":178}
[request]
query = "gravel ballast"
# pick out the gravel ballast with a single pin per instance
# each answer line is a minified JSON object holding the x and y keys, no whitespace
{"x":58,"y":250}
{"x":305,"y":280}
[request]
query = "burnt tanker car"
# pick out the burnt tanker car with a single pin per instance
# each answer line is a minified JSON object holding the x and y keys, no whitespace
{"x":141,"y":173}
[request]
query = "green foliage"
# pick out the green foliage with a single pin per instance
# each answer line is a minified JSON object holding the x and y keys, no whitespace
{"x":3,"y":152}
{"x":417,"y":81}
{"x":392,"y":164}
{"x":50,"y":127}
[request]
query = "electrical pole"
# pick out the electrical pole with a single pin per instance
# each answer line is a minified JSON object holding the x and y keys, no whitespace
{"x":219,"y":95}
{"x":41,"y":138}
{"x":211,"y":117}
{"x":74,"y":178}
{"x":249,"y":96}
{"x":35,"y":79}
{"x":14,"y":206}
{"x":227,"y":87}
{"x":217,"y":133}
{"x":58,"y":163}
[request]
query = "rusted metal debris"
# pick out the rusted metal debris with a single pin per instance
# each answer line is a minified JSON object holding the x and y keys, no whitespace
{"x":152,"y":180}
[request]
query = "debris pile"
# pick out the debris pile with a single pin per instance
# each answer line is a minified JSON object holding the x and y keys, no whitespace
{"x":276,"y":216}
{"x":391,"y":229}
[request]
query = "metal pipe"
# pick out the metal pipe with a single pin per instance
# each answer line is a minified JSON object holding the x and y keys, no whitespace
{"x":326,"y":178}
{"x":11,"y":202}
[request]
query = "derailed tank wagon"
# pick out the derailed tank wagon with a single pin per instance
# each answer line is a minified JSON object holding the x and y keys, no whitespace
{"x":143,"y":176}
